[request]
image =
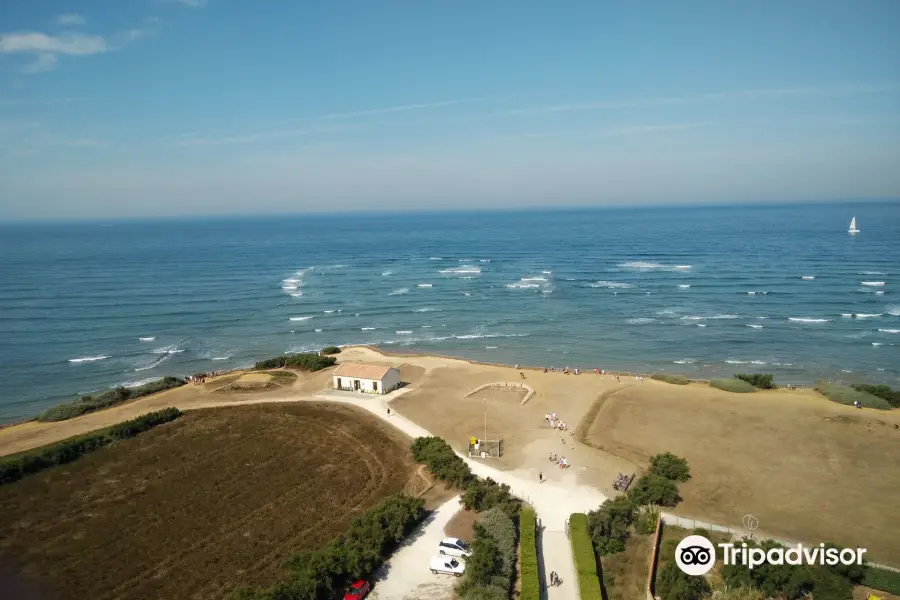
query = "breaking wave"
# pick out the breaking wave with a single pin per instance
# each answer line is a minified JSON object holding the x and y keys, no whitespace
{"x":640,"y":321}
{"x":808,"y":277}
{"x":611,"y":285}
{"x":424,"y":285}
{"x":640,"y":265}
{"x":300,"y":318}
{"x":146,"y":339}
{"x":84,"y":359}
{"x":872,"y":283}
{"x":399,"y":292}
{"x":807,"y":320}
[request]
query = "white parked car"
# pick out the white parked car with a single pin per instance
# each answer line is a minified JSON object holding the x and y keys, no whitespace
{"x":447,"y":565}
{"x":454,"y":547}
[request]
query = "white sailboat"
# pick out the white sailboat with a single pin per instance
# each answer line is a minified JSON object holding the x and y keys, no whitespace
{"x":853,"y":228}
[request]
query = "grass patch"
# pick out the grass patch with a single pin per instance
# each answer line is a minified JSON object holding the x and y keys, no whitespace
{"x":625,"y":573}
{"x":882,"y":580}
{"x":732,"y":384}
{"x":674,"y":379}
{"x":283,"y":377}
{"x":66,"y":451}
{"x":529,"y":578}
{"x":87,"y":404}
{"x":882,"y":391}
{"x":585,"y":559}
{"x":843,"y":394}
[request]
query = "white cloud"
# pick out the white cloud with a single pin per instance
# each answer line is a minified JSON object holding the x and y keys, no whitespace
{"x":70,"y":20}
{"x":39,"y":43}
{"x":45,"y":50}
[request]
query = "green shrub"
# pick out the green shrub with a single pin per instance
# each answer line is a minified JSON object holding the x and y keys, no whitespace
{"x":68,"y":450}
{"x":112,"y":397}
{"x":330,"y":350}
{"x":674,"y":584}
{"x":486,"y":574}
{"x":737,"y":386}
{"x":441,"y":460}
{"x":882,"y":580}
{"x":882,"y":391}
{"x":645,"y":519}
{"x":763,"y":381}
{"x":302,"y":362}
{"x":486,"y":494}
{"x":670,"y":466}
{"x":609,"y":525}
{"x":500,"y":528}
{"x":846,"y":395}
{"x":653,"y":489}
{"x":355,"y":554}
{"x":529,"y":576}
{"x":675,"y":379}
{"x":585,"y":559}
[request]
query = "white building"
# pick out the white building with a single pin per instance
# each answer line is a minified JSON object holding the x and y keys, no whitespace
{"x":368,"y":379}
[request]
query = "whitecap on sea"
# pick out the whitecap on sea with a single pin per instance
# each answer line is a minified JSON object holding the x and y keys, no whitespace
{"x":84,"y":359}
{"x":807,"y":320}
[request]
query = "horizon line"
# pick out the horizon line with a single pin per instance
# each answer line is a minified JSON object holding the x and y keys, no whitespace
{"x":437,"y":211}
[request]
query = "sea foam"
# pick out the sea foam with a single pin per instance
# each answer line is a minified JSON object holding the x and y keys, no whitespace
{"x":399,"y":292}
{"x":807,"y":320}
{"x":611,"y":285}
{"x":84,"y":359}
{"x":146,"y":339}
{"x":872,"y":283}
{"x":300,"y":318}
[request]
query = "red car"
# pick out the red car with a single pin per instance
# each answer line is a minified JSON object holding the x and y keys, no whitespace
{"x":358,"y":590}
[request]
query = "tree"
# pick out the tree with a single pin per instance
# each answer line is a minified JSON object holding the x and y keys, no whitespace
{"x":608,"y":525}
{"x":654,"y":489}
{"x":853,"y":573}
{"x":670,"y":466}
{"x":674,"y":584}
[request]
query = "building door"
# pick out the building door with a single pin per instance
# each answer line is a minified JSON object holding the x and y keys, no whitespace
{"x":375,"y":386}
{"x":356,"y":385}
{"x":338,"y":386}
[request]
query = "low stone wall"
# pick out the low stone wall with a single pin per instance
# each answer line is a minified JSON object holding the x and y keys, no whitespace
{"x":506,"y":385}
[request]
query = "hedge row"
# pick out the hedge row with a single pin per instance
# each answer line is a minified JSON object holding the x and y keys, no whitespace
{"x":675,"y":379}
{"x":882,"y":580}
{"x":330,"y":350}
{"x":490,"y":569}
{"x":73,"y":448}
{"x":303,"y":362}
{"x":118,"y":395}
{"x":733,"y":384}
{"x":529,"y":577}
{"x":846,"y":395}
{"x":585,"y":561}
{"x":355,"y":554}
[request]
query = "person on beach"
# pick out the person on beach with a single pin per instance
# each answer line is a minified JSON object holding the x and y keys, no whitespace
{"x":541,"y":477}
{"x":389,"y":411}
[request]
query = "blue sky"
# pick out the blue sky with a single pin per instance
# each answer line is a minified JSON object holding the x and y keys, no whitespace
{"x":168,"y":107}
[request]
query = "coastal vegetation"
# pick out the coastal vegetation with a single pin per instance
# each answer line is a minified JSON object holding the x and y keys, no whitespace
{"x":843,"y":394}
{"x":213,"y":501}
{"x":669,"y":378}
{"x":882,"y":579}
{"x":309,"y":361}
{"x":881,"y":391}
{"x":529,"y":575}
{"x":762,"y":381}
{"x":732,"y":384}
{"x":112,"y":397}
{"x":16,"y":467}
{"x":330,"y":350}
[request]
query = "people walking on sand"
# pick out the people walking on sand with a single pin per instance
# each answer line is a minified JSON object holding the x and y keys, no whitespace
{"x":541,"y":477}
{"x":389,"y":411}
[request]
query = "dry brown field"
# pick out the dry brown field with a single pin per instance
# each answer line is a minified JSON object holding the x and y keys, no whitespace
{"x":807,"y":468}
{"x":194,"y":508}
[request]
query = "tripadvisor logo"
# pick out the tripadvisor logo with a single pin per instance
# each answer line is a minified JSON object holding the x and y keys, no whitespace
{"x":696,"y":555}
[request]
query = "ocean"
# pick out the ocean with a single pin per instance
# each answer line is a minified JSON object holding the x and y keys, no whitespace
{"x":702,"y":291}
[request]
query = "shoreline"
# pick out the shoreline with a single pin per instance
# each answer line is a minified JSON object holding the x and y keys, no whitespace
{"x":471,"y":361}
